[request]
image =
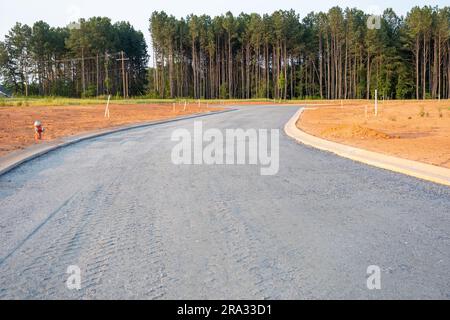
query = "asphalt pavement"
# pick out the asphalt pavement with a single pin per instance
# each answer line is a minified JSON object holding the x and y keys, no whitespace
{"x":140,"y":227}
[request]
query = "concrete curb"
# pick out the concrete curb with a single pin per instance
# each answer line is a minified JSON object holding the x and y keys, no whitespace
{"x":412,"y":168}
{"x":15,"y":159}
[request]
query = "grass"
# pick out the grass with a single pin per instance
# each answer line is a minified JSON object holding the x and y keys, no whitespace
{"x":61,"y":101}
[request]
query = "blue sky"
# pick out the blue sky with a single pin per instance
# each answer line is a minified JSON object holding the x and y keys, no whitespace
{"x":60,"y":13}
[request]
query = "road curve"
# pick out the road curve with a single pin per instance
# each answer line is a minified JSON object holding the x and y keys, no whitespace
{"x":140,"y":227}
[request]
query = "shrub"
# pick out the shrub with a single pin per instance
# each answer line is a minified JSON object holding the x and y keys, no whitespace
{"x":422,"y":112}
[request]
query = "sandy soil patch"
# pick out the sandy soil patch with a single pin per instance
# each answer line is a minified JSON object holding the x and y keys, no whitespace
{"x":415,"y":130}
{"x":17,"y":130}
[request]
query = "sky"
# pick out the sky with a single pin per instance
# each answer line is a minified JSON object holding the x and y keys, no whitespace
{"x":137,"y":12}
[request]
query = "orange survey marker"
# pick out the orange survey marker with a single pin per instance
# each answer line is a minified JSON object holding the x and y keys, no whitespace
{"x":38,"y":130}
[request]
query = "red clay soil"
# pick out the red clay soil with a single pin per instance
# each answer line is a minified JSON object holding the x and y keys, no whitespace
{"x":415,"y":130}
{"x":17,"y":130}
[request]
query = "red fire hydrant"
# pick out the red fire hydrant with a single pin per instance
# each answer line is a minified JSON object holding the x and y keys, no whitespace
{"x":38,"y":130}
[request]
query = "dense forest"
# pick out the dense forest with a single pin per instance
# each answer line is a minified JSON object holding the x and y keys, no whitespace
{"x":85,"y":59}
{"x":340,"y":54}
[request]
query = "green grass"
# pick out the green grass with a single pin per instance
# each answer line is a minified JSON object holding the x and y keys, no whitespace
{"x":57,"y":101}
{"x":61,"y":101}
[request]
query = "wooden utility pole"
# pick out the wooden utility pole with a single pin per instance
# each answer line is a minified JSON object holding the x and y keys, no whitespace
{"x":124,"y":80}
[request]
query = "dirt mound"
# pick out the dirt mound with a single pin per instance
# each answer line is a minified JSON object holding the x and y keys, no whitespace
{"x":415,"y":130}
{"x":346,"y":131}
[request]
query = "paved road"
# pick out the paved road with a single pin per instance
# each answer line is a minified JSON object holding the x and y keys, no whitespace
{"x":140,"y":227}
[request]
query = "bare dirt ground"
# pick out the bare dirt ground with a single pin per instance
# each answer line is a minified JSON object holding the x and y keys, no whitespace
{"x":415,"y":130}
{"x":17,"y":130}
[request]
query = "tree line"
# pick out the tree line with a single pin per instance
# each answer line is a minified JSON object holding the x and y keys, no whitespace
{"x":340,"y":54}
{"x":88,"y":58}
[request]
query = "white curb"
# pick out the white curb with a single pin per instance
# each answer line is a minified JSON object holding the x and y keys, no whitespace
{"x":412,"y":168}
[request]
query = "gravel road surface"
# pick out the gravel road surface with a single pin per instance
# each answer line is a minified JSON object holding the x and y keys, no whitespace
{"x":140,"y":227}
